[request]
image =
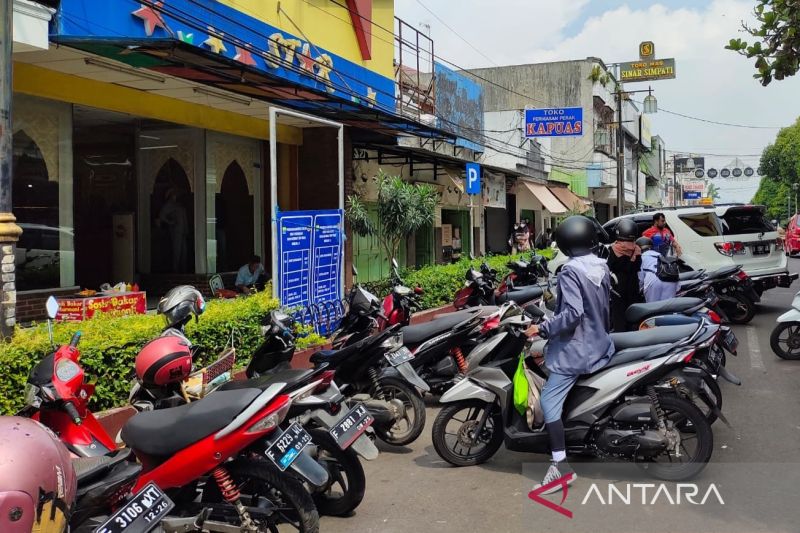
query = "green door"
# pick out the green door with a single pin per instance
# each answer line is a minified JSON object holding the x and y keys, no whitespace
{"x":459,"y":219}
{"x":368,"y":254}
{"x":423,"y":246}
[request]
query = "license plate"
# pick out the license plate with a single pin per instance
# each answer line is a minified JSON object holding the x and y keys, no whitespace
{"x":730,"y":342}
{"x":400,"y":356}
{"x":349,"y":428}
{"x":285,"y":450}
{"x":141,"y":514}
{"x":760,"y":249}
{"x":714,"y":358}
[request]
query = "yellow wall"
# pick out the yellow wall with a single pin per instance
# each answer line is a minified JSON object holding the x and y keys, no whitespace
{"x":45,"y":83}
{"x":328,"y":26}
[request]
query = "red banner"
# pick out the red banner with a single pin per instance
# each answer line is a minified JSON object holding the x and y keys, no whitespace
{"x":122,"y":304}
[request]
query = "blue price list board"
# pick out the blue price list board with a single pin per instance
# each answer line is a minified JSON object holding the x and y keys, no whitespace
{"x":310,"y":251}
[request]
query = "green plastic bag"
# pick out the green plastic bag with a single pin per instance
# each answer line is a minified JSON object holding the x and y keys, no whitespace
{"x":520,"y":382}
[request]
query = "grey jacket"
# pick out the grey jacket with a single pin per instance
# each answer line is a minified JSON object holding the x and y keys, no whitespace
{"x":578,"y":341}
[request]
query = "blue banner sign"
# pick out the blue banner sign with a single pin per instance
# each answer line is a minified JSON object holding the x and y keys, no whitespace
{"x":554,"y":122}
{"x":310,"y":261}
{"x":692,"y":195}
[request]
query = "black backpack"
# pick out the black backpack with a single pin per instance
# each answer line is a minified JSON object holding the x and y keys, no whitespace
{"x":667,"y":268}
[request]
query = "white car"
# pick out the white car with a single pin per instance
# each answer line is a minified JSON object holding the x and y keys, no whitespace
{"x":713,"y":237}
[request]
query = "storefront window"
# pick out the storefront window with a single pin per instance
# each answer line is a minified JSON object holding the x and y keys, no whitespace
{"x":42,"y":193}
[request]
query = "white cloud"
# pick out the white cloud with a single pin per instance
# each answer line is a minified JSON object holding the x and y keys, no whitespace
{"x":711,"y":82}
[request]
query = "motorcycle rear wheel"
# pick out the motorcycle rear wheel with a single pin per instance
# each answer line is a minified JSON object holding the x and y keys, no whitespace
{"x":786,"y":346}
{"x":347,"y":476}
{"x":453,"y":452}
{"x":293,"y":505}
{"x":740,"y":312}
{"x":413,"y":415}
{"x":692,"y":425}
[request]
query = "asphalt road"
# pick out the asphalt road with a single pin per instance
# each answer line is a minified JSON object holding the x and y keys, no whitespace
{"x":755,"y":470}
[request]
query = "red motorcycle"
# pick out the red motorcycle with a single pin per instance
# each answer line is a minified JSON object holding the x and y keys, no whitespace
{"x":479,"y":289}
{"x":203,"y":454}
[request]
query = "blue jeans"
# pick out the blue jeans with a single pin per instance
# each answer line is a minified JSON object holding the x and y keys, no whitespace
{"x":554,"y":393}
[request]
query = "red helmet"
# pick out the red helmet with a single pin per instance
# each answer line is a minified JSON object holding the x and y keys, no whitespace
{"x":37,"y":480}
{"x":164,"y":360}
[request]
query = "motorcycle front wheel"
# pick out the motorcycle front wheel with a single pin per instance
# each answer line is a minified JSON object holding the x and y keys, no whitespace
{"x":785,"y":340}
{"x":347,"y":480}
{"x":454,"y":437}
{"x":409,"y":426}
{"x":696,"y":443}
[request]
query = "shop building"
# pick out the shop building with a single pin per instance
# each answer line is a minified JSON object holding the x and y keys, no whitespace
{"x":142,"y":135}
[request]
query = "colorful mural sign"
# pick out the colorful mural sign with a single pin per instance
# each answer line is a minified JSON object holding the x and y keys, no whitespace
{"x":459,"y":106}
{"x":217,"y":29}
{"x":123,"y":304}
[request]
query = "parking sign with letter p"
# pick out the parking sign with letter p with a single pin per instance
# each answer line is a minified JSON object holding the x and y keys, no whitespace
{"x":473,"y":178}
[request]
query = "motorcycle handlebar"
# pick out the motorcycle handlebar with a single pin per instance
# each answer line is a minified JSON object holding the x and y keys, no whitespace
{"x":72,"y":412}
{"x":76,"y":338}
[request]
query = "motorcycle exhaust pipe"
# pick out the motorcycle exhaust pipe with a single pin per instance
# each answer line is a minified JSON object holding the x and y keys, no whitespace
{"x":728,"y":376}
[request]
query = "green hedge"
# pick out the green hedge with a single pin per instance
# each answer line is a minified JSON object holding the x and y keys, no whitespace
{"x":109,"y":346}
{"x":441,"y":282}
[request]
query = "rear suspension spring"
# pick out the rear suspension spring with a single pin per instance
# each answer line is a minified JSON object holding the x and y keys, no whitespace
{"x":376,"y":384}
{"x":651,"y":392}
{"x":230,"y":493}
{"x":458,"y":355}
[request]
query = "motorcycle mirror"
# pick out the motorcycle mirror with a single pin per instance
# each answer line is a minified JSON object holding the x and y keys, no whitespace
{"x":394,"y":263}
{"x":52,"y":307}
{"x":418,"y":290}
{"x":354,"y":270}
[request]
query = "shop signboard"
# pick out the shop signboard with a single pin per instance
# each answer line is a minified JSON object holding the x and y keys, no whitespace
{"x":494,"y":190}
{"x":310,"y":258}
{"x":459,"y":106}
{"x":473,"y":178}
{"x":694,"y":185}
{"x":217,"y":29}
{"x":110,"y":304}
{"x":692,"y":195}
{"x":648,"y":67}
{"x":554,"y":122}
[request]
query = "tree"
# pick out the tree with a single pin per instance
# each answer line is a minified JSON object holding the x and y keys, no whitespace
{"x":773,"y":194}
{"x":713,"y":191}
{"x":403,"y":208}
{"x":777,"y":40}
{"x":780,"y":168}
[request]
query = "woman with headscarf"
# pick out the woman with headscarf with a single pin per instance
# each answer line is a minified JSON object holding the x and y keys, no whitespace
{"x":624,"y":262}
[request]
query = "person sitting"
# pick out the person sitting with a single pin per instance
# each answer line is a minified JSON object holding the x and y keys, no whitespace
{"x":652,"y":286}
{"x":251,"y":276}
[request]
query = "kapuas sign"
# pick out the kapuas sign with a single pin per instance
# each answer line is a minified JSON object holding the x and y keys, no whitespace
{"x":557,"y":122}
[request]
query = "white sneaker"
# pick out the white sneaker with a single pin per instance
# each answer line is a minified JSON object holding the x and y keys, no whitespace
{"x":556,"y":471}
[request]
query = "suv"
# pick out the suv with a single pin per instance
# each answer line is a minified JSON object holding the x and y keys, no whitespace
{"x":713,"y":237}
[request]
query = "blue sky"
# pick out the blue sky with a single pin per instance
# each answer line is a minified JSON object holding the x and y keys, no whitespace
{"x":712,"y":83}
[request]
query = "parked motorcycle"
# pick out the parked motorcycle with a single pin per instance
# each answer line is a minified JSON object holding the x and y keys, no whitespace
{"x":785,"y":337}
{"x":199,"y":453}
{"x":624,"y":410}
{"x":734,"y":288}
{"x":479,"y":289}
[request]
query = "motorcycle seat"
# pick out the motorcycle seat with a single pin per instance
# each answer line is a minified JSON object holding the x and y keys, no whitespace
{"x":292,"y":377}
{"x":692,"y":274}
{"x":723,"y":272}
{"x":638,"y":312}
{"x":164,"y":432}
{"x":690,"y":284}
{"x":521,"y":295}
{"x":334,"y":357}
{"x":419,"y":333}
{"x":649,"y":337}
{"x":629,"y":355}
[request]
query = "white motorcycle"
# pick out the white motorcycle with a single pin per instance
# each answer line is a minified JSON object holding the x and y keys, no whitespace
{"x":626,"y":410}
{"x":785,"y":338}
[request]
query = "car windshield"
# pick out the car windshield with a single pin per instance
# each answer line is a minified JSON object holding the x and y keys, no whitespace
{"x":738,"y":221}
{"x":704,"y":224}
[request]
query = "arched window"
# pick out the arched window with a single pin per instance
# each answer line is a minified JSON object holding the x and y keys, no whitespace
{"x":234,"y":213}
{"x":172,"y":211}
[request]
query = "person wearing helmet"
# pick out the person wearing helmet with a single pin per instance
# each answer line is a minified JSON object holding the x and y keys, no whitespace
{"x":578,"y":340}
{"x":624,"y":261}
{"x":37,"y":480}
{"x":653,"y":288}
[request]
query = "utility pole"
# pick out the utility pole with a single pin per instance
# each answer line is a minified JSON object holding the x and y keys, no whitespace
{"x":620,"y":157}
{"x":9,"y":231}
{"x":674,"y":180}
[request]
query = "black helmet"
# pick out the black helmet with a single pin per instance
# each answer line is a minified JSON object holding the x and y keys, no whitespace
{"x":179,"y":304}
{"x":644,"y":243}
{"x":627,"y":230}
{"x":576,"y":235}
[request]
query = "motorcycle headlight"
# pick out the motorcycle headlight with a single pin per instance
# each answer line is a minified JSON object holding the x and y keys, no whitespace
{"x":393,"y":342}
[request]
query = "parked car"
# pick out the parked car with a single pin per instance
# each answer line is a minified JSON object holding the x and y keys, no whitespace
{"x":792,"y":237}
{"x":713,"y":237}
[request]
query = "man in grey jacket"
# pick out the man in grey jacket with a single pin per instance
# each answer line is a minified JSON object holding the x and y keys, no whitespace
{"x":578,"y":340}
